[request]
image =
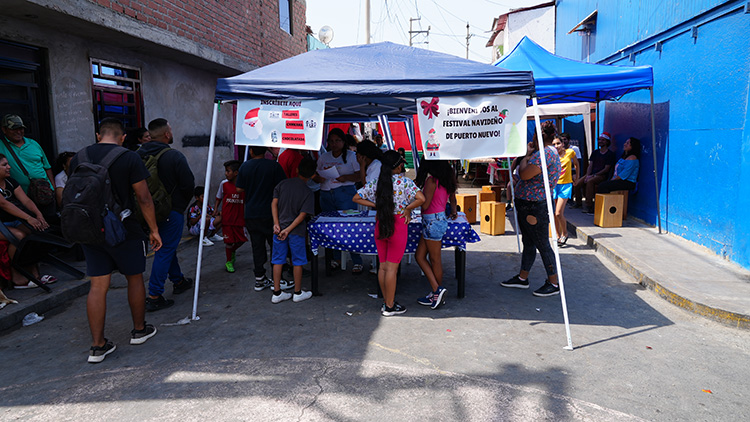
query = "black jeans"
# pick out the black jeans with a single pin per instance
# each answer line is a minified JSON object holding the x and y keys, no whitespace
{"x":613,"y":185}
{"x":261,"y":232}
{"x":535,"y":236}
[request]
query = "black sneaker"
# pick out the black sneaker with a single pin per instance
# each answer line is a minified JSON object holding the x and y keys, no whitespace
{"x":182,"y":286}
{"x":516,"y":283}
{"x":547,"y":290}
{"x":140,"y":336}
{"x":158,"y":304}
{"x":395,"y":310}
{"x":262,"y":282}
{"x":98,"y":353}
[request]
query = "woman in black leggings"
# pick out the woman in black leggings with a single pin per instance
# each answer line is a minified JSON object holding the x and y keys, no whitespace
{"x":533,"y":218}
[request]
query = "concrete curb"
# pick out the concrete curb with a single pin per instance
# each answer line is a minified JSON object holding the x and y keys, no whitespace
{"x":62,"y":291}
{"x":725,"y":317}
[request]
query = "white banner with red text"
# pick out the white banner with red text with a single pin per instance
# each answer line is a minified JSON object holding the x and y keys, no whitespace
{"x":477,"y":126}
{"x":288,"y":123}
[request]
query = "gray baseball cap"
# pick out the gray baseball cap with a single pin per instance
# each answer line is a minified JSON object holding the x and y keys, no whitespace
{"x":12,"y":121}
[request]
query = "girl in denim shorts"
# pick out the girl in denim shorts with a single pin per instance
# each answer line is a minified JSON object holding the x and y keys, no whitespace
{"x":437,"y":180}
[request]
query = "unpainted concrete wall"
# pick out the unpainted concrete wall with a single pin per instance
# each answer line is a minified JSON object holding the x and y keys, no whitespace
{"x":179,"y":93}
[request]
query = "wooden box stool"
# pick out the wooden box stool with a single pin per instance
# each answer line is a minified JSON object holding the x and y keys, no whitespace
{"x":497,"y":190}
{"x":625,"y":194}
{"x":493,"y":218}
{"x":467,"y":204}
{"x":487,"y":197}
{"x":608,"y":210}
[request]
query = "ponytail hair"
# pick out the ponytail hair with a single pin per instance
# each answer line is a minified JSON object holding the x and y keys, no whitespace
{"x":384,"y":194}
{"x":549,"y":131}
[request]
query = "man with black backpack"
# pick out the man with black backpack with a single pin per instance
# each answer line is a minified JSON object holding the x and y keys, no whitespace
{"x":120,"y":178}
{"x":172,"y":193}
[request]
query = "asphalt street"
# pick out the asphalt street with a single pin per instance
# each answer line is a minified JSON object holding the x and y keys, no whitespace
{"x":497,"y":354}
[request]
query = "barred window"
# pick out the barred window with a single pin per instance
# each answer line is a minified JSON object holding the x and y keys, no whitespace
{"x":117,"y":93}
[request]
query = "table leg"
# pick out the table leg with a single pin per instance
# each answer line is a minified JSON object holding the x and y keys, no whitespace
{"x":456,"y":258}
{"x":462,"y":274}
{"x":327,"y":261}
{"x":314,"y":276}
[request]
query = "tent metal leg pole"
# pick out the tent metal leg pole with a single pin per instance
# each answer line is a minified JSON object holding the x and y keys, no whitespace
{"x":551,"y":213}
{"x":204,"y":209}
{"x":411,"y":133}
{"x":656,"y":173}
{"x":513,"y":201}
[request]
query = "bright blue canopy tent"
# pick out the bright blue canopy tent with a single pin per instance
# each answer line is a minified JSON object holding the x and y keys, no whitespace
{"x":562,"y":80}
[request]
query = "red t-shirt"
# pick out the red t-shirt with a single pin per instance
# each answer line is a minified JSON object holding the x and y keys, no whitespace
{"x":232,"y":205}
{"x":289,"y":161}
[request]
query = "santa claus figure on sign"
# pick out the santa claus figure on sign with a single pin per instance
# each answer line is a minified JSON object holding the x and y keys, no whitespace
{"x":252,"y":127}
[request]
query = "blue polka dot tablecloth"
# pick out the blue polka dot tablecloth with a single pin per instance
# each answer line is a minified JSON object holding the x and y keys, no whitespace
{"x":355,"y":232}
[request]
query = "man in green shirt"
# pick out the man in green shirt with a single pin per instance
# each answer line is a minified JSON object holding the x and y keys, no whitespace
{"x":28,"y":152}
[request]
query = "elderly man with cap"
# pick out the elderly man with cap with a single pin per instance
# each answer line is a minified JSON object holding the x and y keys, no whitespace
{"x":601,"y":162}
{"x":26,"y":158}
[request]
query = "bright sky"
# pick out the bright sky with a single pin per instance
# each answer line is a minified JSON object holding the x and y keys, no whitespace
{"x":390,"y":22}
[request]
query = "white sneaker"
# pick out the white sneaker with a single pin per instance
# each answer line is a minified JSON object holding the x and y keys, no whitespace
{"x":286,"y":284}
{"x":207,"y":242}
{"x":373,"y":270}
{"x":216,"y":238}
{"x":302,"y":296}
{"x":280,"y":298}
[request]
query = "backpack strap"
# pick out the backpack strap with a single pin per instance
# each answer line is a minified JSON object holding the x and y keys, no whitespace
{"x":162,"y":152}
{"x":158,"y":156}
{"x":83,"y":156}
{"x":111,"y":156}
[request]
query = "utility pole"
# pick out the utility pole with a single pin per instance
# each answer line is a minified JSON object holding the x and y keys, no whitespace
{"x":367,"y":21}
{"x":412,"y":32}
{"x":468,"y":36}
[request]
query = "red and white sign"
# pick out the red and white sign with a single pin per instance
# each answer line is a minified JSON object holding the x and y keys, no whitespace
{"x":280,"y":123}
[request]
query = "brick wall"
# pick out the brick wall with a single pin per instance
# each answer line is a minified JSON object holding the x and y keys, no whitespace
{"x":248,"y":30}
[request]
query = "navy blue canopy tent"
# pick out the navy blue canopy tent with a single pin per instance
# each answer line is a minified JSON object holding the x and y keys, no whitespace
{"x":361,"y":83}
{"x":562,"y":80}
{"x":371,"y":81}
{"x":374,"y":79}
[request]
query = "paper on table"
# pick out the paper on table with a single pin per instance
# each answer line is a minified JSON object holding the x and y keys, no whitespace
{"x":329,"y":173}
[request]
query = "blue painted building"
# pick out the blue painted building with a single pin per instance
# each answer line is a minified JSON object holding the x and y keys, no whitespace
{"x":700,"y":53}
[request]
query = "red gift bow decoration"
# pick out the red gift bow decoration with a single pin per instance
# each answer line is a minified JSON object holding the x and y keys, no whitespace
{"x":431,"y":108}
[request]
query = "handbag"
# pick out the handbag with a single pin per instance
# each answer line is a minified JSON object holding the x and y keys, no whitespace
{"x":40,"y":190}
{"x":114,"y":229}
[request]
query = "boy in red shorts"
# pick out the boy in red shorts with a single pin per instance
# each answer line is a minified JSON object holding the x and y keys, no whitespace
{"x":232,"y":213}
